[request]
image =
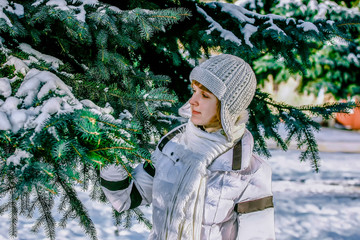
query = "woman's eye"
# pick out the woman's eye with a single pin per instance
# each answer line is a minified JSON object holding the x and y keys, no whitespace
{"x":203,"y":94}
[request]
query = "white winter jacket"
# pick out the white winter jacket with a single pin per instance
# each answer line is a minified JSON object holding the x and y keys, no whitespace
{"x":238,"y":199}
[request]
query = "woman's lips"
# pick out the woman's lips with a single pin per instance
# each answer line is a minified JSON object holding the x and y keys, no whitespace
{"x":195,"y":112}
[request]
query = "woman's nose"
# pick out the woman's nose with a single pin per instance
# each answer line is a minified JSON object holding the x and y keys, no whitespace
{"x":194,"y":100}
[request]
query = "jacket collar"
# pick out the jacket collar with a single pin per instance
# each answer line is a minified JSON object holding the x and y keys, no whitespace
{"x":224,"y":161}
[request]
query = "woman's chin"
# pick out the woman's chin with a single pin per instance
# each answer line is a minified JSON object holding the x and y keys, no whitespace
{"x":195,"y":121}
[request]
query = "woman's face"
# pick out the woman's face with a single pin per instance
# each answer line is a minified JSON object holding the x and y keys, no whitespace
{"x":204,"y":109}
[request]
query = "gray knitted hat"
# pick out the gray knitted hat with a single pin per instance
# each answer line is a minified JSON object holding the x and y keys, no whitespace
{"x":232,"y":81}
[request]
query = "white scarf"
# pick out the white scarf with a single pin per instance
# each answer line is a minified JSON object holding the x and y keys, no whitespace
{"x":184,"y":213}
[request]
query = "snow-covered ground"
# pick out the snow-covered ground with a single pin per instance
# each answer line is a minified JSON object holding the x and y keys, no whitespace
{"x":308,"y":205}
{"x":324,"y":205}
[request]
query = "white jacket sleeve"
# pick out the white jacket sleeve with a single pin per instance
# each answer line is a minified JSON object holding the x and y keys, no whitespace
{"x":255,"y":207}
{"x":124,"y":192}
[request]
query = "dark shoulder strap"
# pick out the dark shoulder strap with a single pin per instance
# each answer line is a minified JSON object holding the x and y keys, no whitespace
{"x":237,"y":156}
{"x":168,"y":137}
{"x":149,"y":168}
{"x":254,"y":205}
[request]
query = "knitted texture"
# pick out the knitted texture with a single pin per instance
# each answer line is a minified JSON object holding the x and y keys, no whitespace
{"x":232,"y":81}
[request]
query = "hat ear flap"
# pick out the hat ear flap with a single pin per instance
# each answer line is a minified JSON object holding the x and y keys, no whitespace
{"x":185,"y":110}
{"x":243,"y":117}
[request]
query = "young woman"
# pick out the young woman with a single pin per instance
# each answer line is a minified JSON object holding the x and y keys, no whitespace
{"x":206,"y":182}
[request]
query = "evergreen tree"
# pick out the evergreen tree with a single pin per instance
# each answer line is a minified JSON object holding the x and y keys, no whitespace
{"x":334,"y":67}
{"x":51,"y":142}
{"x":132,"y":59}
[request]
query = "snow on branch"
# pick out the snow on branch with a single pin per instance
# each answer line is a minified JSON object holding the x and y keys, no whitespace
{"x":248,"y":21}
{"x":17,"y":10}
{"x":307,"y":26}
{"x":63,"y":5}
{"x":323,"y":9}
{"x":273,"y":26}
{"x":234,"y":11}
{"x":55,"y":62}
{"x":226,"y":34}
{"x":248,"y":30}
{"x":40,"y":96}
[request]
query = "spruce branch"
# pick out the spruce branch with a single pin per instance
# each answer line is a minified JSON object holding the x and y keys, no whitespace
{"x":13,"y":213}
{"x":141,"y":218}
{"x":142,"y":154}
{"x":312,"y":151}
{"x":25,"y":204}
{"x":45,"y":218}
{"x":297,"y":37}
{"x":297,"y":120}
{"x":77,"y":208}
{"x":111,"y":148}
